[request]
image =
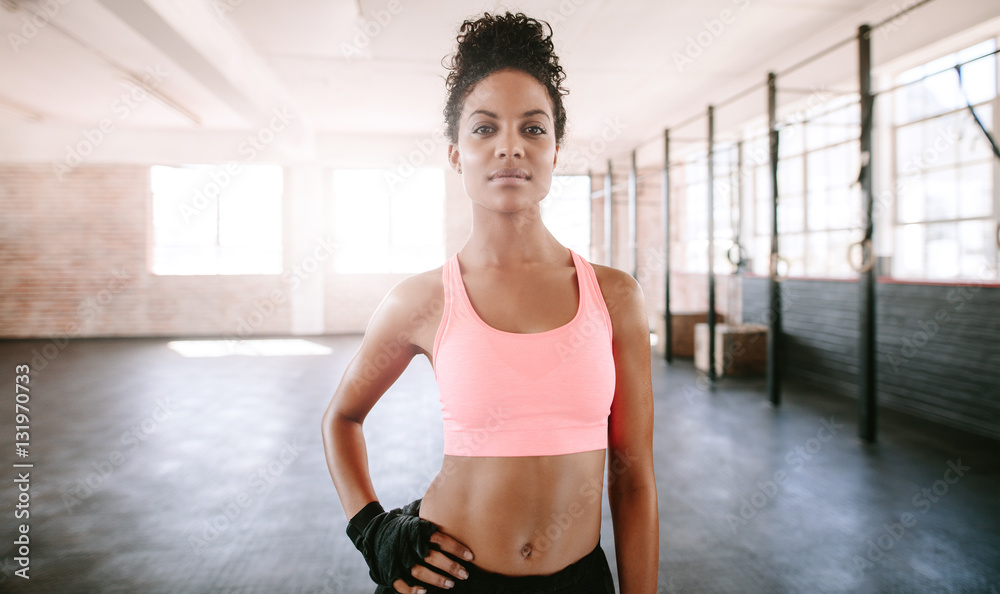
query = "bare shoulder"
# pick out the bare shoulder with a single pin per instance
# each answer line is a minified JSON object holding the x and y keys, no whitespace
{"x":415,"y":298}
{"x":410,"y":313}
{"x":622,"y":293}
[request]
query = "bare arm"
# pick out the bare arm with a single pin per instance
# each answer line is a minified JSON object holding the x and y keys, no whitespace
{"x":631,"y":482}
{"x":401,"y":324}
{"x":385,"y":352}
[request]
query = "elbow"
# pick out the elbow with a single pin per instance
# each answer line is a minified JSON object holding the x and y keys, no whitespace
{"x":335,"y":423}
{"x":328,"y":423}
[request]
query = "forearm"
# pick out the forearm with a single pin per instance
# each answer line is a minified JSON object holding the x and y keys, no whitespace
{"x":347,"y":459}
{"x":637,"y":537}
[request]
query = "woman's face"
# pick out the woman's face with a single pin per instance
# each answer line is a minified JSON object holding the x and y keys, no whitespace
{"x":506,"y":147}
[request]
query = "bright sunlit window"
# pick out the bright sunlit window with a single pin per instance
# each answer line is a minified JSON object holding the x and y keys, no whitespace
{"x":945,"y":216}
{"x":222,"y":219}
{"x":690,"y":182}
{"x":566,"y":212}
{"x":387,"y":223}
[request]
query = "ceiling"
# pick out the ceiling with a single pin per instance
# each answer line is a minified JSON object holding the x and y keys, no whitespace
{"x":373,"y":67}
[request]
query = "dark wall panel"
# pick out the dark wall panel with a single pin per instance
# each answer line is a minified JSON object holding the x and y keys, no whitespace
{"x":938,"y":345}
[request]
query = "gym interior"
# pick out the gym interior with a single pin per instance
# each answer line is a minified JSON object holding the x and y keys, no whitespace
{"x":203,"y":203}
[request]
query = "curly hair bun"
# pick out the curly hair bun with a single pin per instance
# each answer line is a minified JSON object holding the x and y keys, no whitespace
{"x":497,"y":42}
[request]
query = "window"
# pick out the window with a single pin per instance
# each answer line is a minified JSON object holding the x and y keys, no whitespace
{"x":693,"y":189}
{"x":386,"y":224}
{"x":945,"y":217}
{"x":819,"y":202}
{"x":217,"y":219}
{"x":757,"y":170}
{"x":566,"y":212}
{"x":833,"y":215}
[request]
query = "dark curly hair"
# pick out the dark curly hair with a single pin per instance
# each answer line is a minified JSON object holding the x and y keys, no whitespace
{"x":497,"y":42}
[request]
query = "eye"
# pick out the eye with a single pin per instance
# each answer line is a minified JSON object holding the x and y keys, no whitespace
{"x":535,"y":130}
{"x":482,"y":129}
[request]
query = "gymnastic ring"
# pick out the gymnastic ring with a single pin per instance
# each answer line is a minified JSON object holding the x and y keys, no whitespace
{"x":865,"y":266}
{"x":773,"y":267}
{"x":739,"y":254}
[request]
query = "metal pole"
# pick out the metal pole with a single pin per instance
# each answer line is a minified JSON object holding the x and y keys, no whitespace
{"x":738,"y":231}
{"x":866,"y":365}
{"x":668,"y":335}
{"x":633,"y":223}
{"x":711,"y":243}
{"x":590,"y":217}
{"x":608,"y":226}
{"x":773,"y":288}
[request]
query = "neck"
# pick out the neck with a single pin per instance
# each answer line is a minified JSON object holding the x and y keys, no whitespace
{"x":510,"y":239}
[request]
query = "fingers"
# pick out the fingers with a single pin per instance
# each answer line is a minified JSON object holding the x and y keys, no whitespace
{"x":432,"y":578}
{"x":425,"y":575}
{"x":450,"y":545}
{"x":445,"y":564}
{"x":441,"y":562}
{"x":401,"y":587}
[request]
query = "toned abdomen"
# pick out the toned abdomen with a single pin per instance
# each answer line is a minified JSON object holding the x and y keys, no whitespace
{"x":521,"y":515}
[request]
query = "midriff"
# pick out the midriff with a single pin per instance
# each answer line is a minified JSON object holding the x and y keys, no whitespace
{"x":528,"y":515}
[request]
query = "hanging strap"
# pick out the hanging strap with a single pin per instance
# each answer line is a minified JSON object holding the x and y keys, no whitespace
{"x":989,"y":137}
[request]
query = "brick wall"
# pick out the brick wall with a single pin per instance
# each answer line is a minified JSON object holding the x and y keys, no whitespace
{"x":74,"y":262}
{"x":937,"y":346}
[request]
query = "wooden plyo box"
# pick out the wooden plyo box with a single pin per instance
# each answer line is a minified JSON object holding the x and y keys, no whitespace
{"x":682,"y":331}
{"x":739,"y":348}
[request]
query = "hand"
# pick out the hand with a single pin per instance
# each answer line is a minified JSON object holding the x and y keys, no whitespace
{"x":440,"y":561}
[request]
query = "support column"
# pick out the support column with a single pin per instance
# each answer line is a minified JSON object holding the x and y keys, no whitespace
{"x":304,"y":238}
{"x":668,"y":353}
{"x":609,"y":244}
{"x":867,"y":412}
{"x":774,"y":338}
{"x":633,"y":223}
{"x":710,"y":190}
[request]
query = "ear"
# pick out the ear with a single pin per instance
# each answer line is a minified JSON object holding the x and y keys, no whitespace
{"x":555,"y":157}
{"x":454,"y":158}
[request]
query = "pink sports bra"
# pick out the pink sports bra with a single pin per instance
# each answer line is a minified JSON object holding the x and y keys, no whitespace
{"x":511,"y":394}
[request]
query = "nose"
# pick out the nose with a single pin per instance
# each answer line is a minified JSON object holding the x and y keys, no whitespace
{"x":509,"y":146}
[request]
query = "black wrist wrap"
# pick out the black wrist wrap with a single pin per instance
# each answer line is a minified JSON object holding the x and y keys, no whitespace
{"x":391,"y":542}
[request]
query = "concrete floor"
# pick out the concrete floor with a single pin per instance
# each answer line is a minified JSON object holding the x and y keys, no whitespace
{"x":160,"y":473}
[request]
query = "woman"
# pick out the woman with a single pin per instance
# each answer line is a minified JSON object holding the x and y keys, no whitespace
{"x":541,"y":358}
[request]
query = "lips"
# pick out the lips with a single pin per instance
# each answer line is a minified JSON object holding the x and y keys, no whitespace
{"x":509,"y":174}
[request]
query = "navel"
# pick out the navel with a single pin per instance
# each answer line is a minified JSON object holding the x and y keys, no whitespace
{"x":526,"y":551}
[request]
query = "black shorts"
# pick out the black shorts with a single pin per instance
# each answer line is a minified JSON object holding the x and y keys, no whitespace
{"x":590,"y":575}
